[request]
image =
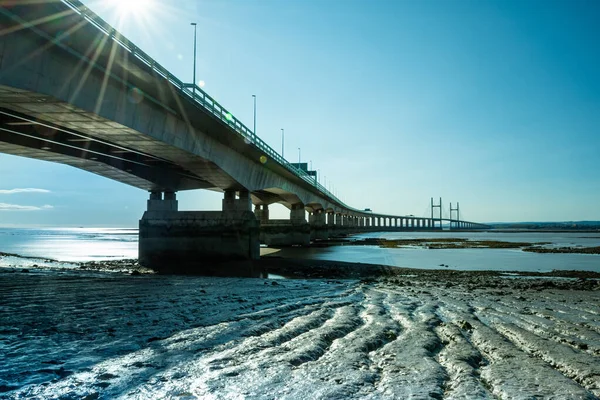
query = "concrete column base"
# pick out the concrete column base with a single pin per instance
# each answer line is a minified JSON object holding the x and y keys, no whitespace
{"x":281,"y":233}
{"x":318,"y":226}
{"x":319,"y":232}
{"x":199,"y":242}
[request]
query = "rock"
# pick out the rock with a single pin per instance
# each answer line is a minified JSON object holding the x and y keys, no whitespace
{"x":464,"y":325}
{"x":106,"y":376}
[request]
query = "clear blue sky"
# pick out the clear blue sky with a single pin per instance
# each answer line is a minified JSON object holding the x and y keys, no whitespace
{"x":495,"y":104}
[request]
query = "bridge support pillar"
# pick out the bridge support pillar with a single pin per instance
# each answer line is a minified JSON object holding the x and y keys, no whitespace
{"x":199,"y":242}
{"x":295,"y":231}
{"x":258,"y":212}
{"x":330,"y":220}
{"x":318,"y":226}
{"x":331,"y":231}
{"x":262,"y":213}
{"x":156,"y":202}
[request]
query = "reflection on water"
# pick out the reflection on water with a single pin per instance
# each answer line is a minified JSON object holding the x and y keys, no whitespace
{"x":464,"y":259}
{"x":71,"y":244}
{"x":461,"y":259}
{"x":88,"y":244}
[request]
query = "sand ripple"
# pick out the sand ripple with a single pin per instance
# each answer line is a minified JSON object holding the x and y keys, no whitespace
{"x":75,"y":335}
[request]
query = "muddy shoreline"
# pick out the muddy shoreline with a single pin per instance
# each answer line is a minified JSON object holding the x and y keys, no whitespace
{"x":340,"y":330}
{"x":291,"y":268}
{"x":457,"y":243}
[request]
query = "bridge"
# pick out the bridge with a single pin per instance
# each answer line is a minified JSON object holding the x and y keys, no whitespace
{"x":75,"y":91}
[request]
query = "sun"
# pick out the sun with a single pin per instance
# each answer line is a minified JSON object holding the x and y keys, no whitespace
{"x":136,"y":8}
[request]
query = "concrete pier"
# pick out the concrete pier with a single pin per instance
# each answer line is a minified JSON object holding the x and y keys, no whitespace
{"x":318,"y":226}
{"x":199,"y":242}
{"x":283,"y":232}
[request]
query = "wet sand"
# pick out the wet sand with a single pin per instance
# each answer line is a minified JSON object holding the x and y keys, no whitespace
{"x":350,"y":331}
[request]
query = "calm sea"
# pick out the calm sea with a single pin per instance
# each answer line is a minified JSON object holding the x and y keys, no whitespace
{"x":89,"y":244}
{"x":67,"y":244}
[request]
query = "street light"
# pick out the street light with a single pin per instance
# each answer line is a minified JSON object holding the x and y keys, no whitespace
{"x":254,"y":96}
{"x":282,"y":144}
{"x":298,"y":157}
{"x":194,"y":82}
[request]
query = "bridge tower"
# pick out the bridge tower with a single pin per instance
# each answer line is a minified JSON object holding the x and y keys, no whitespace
{"x":457,"y":221}
{"x":432,"y":218}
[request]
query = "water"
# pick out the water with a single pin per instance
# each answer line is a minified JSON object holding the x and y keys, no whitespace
{"x":71,"y":244}
{"x":465,"y":259}
{"x":95,"y":244}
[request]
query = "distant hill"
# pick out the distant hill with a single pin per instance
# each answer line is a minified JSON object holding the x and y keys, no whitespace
{"x":565,"y":225}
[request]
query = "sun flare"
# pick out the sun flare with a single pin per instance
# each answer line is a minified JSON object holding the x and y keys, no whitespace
{"x":137,"y":8}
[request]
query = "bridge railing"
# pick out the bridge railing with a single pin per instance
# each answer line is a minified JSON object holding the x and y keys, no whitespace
{"x":199,"y":96}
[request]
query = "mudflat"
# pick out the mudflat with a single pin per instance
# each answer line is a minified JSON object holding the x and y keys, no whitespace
{"x":348,"y":331}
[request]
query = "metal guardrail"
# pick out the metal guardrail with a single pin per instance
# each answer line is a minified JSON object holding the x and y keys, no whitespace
{"x":200,"y":97}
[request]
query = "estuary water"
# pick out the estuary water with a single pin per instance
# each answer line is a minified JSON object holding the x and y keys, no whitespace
{"x":465,"y":259}
{"x":69,"y":244}
{"x":96,"y":244}
{"x":421,"y":335}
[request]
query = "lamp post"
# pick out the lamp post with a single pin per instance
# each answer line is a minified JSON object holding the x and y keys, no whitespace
{"x":298,"y":157}
{"x":282,"y":156}
{"x":254,"y":131}
{"x":194,"y":82}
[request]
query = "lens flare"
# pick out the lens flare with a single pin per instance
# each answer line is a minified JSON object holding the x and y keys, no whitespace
{"x":130,"y":7}
{"x":135,"y":96}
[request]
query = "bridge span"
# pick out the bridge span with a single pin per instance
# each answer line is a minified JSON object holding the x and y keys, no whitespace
{"x":75,"y":91}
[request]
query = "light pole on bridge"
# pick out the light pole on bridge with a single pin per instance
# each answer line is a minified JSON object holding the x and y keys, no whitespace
{"x":194,"y":76}
{"x":254,"y":131}
{"x":298,"y":157}
{"x":282,"y":137}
